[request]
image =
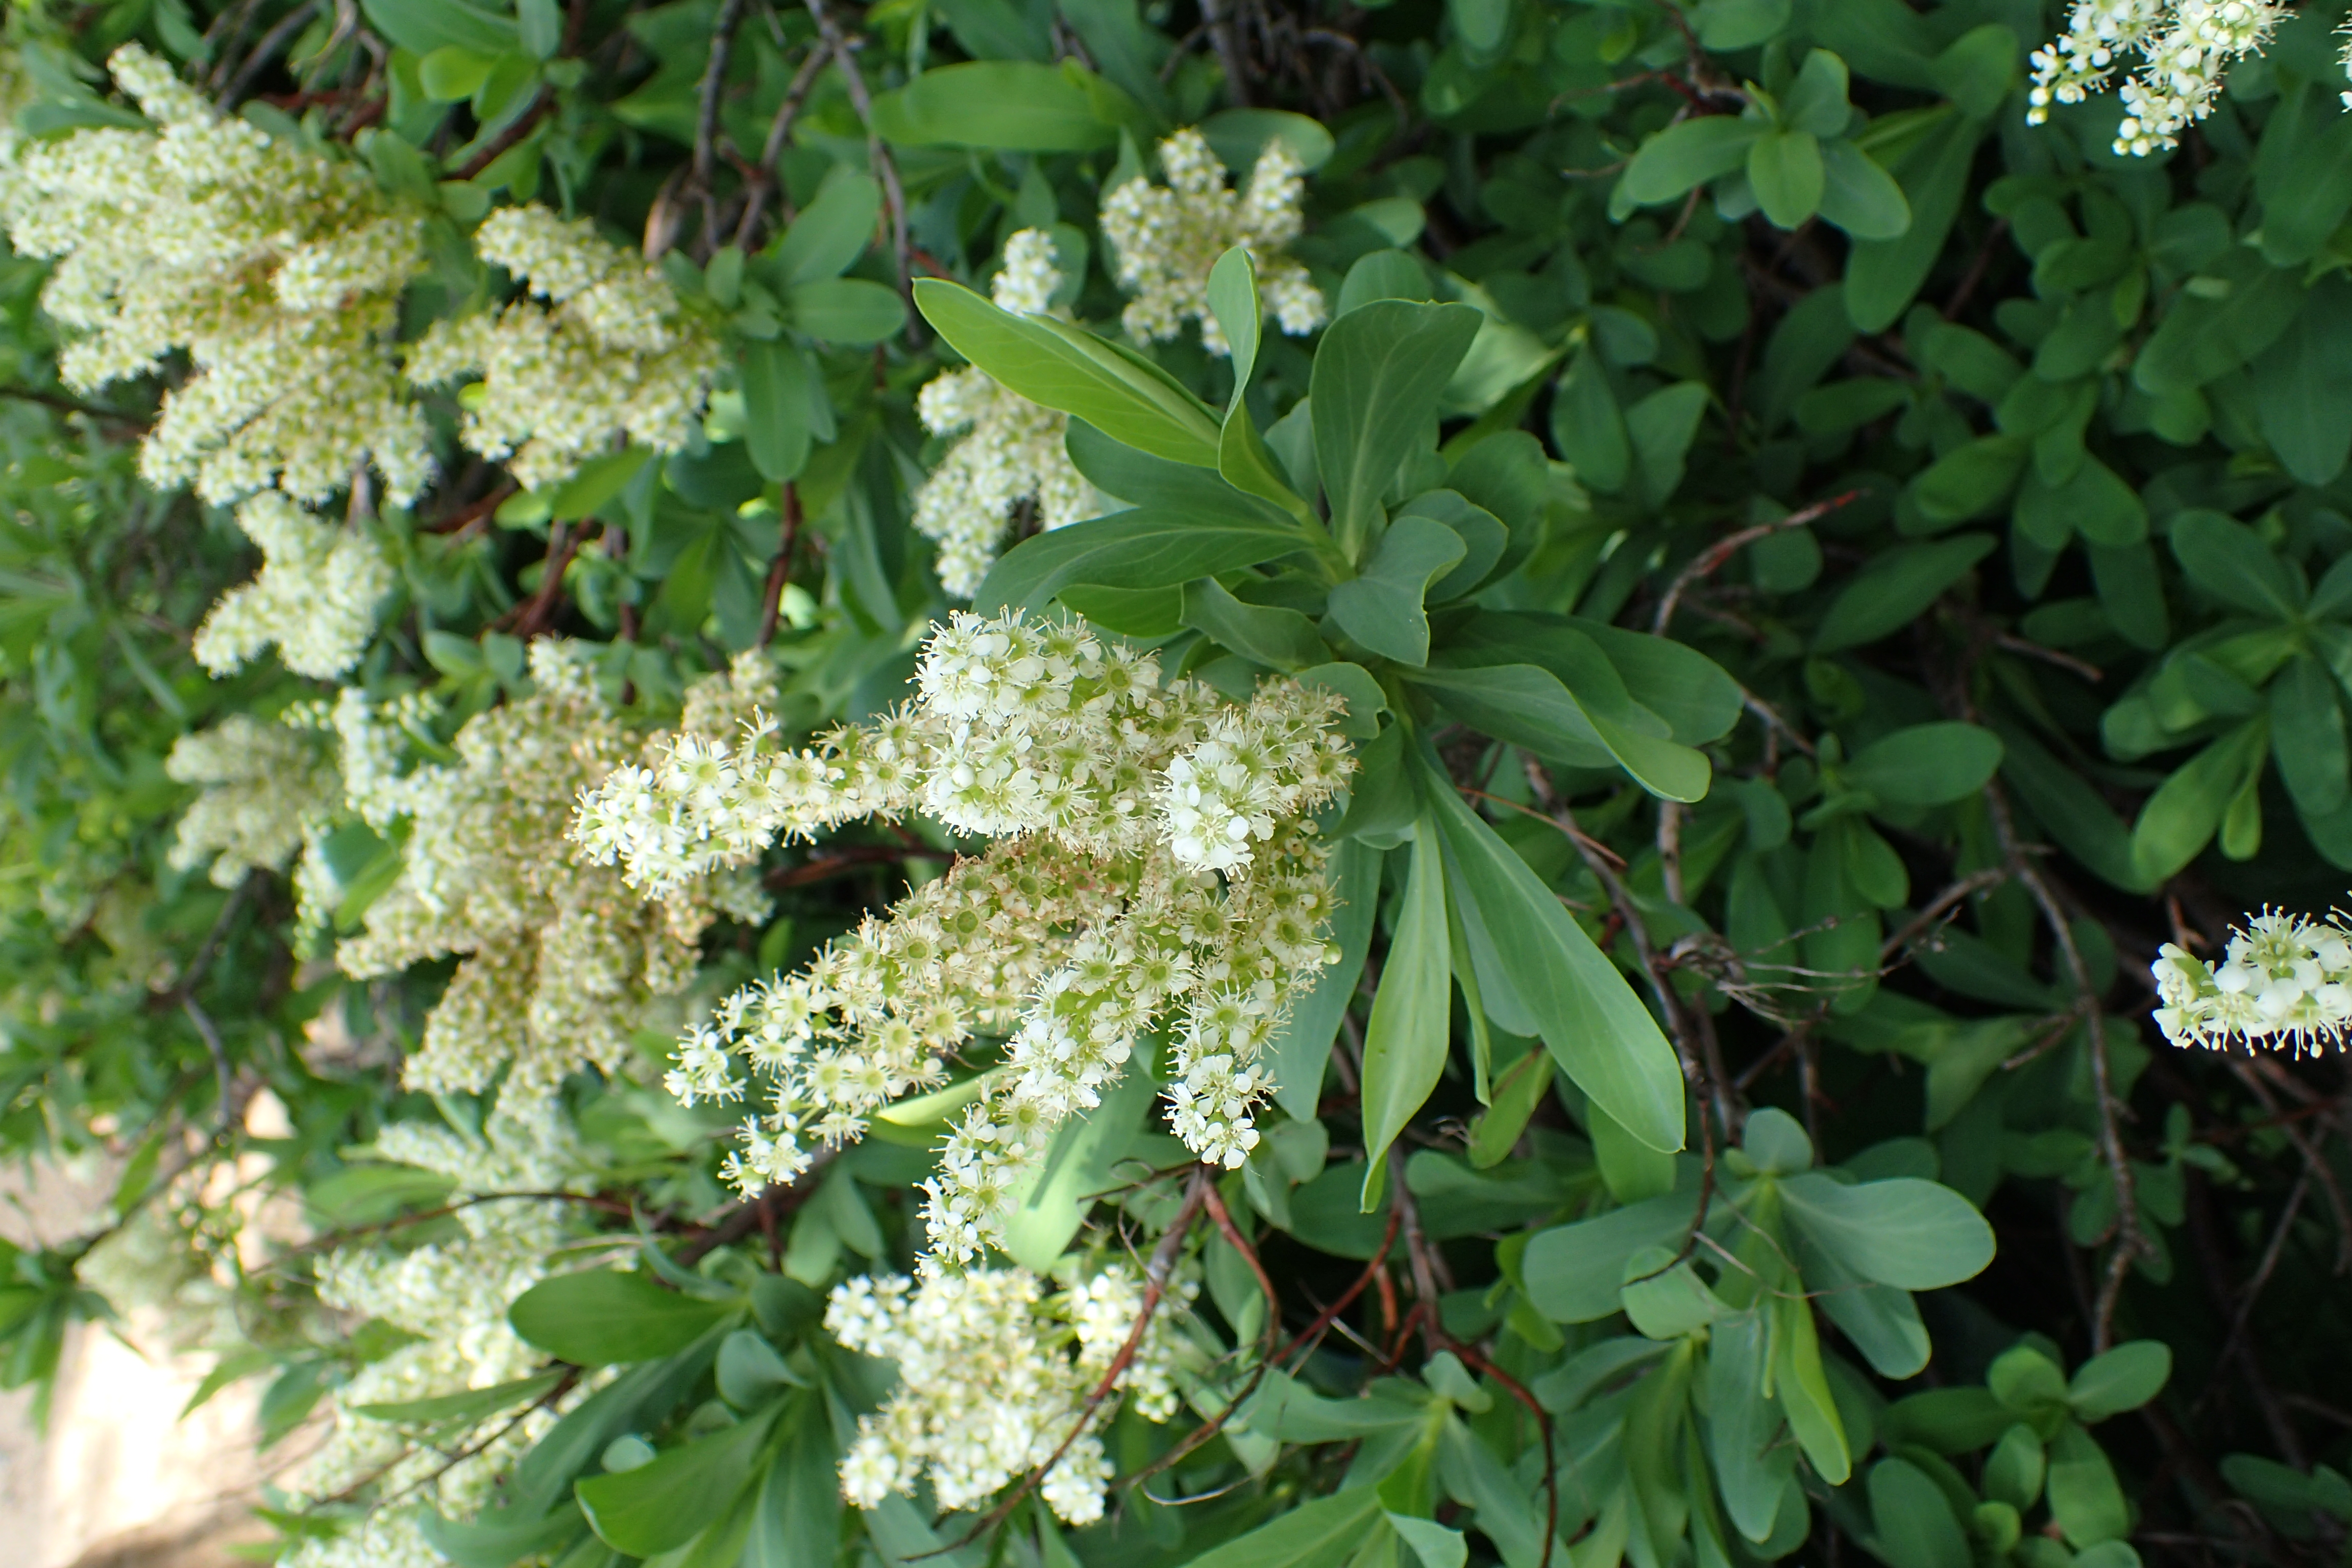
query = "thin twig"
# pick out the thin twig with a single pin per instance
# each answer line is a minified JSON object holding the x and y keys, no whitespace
{"x":780,"y":570}
{"x":1156,"y":1274}
{"x":849,"y":860}
{"x":706,"y":123}
{"x":1941,"y":905}
{"x":771,"y":151}
{"x":894,"y":195}
{"x":277,"y":39}
{"x":2131,"y":1237}
{"x":1241,"y":1244}
{"x":1708,"y":562}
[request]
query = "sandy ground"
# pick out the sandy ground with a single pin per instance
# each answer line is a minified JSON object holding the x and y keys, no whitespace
{"x":120,"y":1480}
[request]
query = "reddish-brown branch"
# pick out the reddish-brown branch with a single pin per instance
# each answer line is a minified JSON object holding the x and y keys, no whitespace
{"x":780,"y":570}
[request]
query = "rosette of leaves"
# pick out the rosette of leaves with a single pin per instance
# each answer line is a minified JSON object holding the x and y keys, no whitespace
{"x":2043,"y":1492}
{"x":1793,"y":152}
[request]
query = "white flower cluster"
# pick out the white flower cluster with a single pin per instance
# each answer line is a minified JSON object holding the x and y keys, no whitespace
{"x":452,"y":1297}
{"x":988,"y":1386}
{"x":1167,"y":239}
{"x":2284,"y":981}
{"x":315,"y":598}
{"x":2185,"y":47}
{"x":560,"y":957}
{"x":1095,"y":917}
{"x":611,"y":351}
{"x":1014,"y":450}
{"x":267,"y":791}
{"x":278,"y":268}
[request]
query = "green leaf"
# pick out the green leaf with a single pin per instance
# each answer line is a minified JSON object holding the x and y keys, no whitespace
{"x":853,"y":312}
{"x":2303,"y":393}
{"x":1660,"y":429}
{"x":1629,"y":1168}
{"x":2229,"y":561}
{"x":1140,"y":480}
{"x":1784,"y":170}
{"x":750,"y":1371}
{"x":1804,"y":1389}
{"x":1046,"y":1210}
{"x":1238,"y":135}
{"x":1278,"y":639}
{"x":1324,"y":1534}
{"x":800,"y":1498}
{"x":1589,"y":426}
{"x":1432,"y":1544}
{"x":485,"y":1544}
{"x":1913,"y":1235}
{"x":451,"y":74}
{"x":778,"y":383}
{"x":468,"y":1406}
{"x":2125,"y":1378}
{"x":1016,"y":106}
{"x":539,"y":24}
{"x":1406,"y":1040}
{"x":2307,"y":737}
{"x":1384,"y":274}
{"x":2179,"y":819}
{"x":1969,"y":480}
{"x":1588,"y":1016}
{"x":1483,"y":540}
{"x":1896,"y":588}
{"x":1687,"y":154}
{"x":2204,"y":335}
{"x":1696,"y":698}
{"x":2013,"y":1470}
{"x":1365,"y":699}
{"x":1382,"y":608}
{"x":2085,"y":1500}
{"x":1752,"y":1465}
{"x":421,"y":27}
{"x":666,"y":1503}
{"x":1916,"y":1527}
{"x":1573,"y":1272}
{"x":1816,"y":102}
{"x":1531,"y":707}
{"x":1926,"y":764}
{"x":1860,"y":196}
{"x":1373,"y":395}
{"x":831,"y":231}
{"x":1142,"y":549}
{"x":1516,"y":1094}
{"x":1233,"y":301}
{"x":598,"y":1317}
{"x":1303,"y":1046}
{"x":1883,"y":276}
{"x":1052,"y":363}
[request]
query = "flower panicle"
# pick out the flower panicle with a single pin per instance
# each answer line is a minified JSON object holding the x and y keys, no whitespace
{"x":2185,"y":47}
{"x":2285,"y":982}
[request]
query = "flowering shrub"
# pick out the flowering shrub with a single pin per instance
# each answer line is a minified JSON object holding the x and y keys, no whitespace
{"x":1199,"y":786}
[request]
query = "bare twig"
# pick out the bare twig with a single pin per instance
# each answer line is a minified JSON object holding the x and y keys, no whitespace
{"x":780,"y":133}
{"x":1708,"y":562}
{"x":894,"y":195}
{"x":706,"y":122}
{"x":1156,"y":1274}
{"x":1939,"y":909}
{"x":277,"y":39}
{"x":2131,"y":1241}
{"x":780,"y":570}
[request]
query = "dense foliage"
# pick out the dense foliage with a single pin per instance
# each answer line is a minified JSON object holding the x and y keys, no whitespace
{"x":1257,"y":782}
